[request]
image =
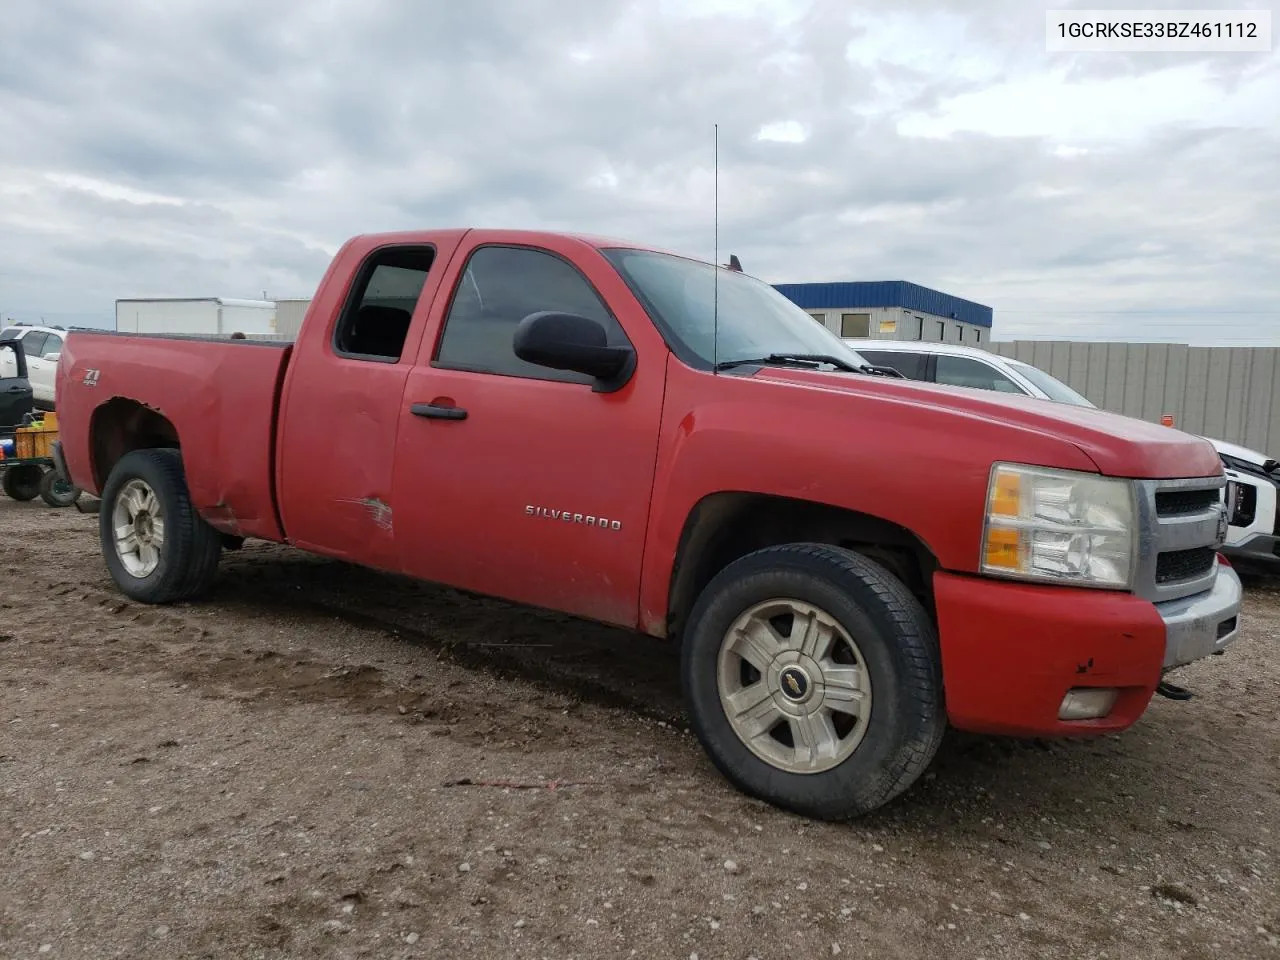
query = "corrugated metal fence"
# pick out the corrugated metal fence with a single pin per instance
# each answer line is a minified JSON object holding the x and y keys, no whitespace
{"x":1228,"y":393}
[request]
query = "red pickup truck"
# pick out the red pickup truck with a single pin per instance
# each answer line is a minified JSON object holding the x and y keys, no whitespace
{"x":850,"y":561}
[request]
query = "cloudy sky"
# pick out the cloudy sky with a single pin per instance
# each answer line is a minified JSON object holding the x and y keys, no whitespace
{"x":227,"y":147}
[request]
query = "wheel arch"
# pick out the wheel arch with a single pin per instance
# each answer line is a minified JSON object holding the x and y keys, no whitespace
{"x":727,"y":525}
{"x":122,"y":425}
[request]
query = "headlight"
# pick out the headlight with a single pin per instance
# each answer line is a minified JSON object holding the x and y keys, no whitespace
{"x":1058,"y":525}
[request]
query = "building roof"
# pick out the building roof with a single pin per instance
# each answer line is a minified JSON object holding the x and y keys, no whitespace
{"x":885,"y":293}
{"x":225,"y":301}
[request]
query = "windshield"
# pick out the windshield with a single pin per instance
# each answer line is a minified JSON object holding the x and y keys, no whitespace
{"x":755,"y":320}
{"x":1053,"y":388}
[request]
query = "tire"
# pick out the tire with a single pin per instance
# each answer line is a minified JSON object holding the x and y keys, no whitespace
{"x":22,"y":482}
{"x":57,"y":492}
{"x":183,"y":561}
{"x":883,"y":663}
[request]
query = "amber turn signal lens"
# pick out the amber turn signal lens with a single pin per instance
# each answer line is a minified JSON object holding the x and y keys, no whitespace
{"x":1002,"y":549}
{"x":1006,"y":495}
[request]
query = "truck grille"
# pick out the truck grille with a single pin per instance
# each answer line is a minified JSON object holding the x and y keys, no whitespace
{"x":1177,"y":503}
{"x":1178,"y":536}
{"x":1180,"y":565}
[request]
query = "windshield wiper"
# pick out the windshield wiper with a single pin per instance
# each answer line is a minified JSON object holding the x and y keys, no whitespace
{"x":790,"y":359}
{"x":811,"y":360}
{"x":875,"y":371}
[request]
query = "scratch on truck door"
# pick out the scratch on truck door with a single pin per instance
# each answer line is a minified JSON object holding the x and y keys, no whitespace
{"x":379,"y":511}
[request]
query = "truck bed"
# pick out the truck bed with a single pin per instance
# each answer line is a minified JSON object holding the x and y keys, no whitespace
{"x":218,"y":396}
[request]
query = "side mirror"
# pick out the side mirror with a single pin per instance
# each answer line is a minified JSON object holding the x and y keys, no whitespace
{"x":52,"y":357}
{"x":566,"y":341}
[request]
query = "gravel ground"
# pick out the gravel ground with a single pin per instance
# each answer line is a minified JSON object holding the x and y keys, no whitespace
{"x":273,"y":773}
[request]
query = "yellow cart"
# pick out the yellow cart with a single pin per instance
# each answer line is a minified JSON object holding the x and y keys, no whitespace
{"x":26,"y":462}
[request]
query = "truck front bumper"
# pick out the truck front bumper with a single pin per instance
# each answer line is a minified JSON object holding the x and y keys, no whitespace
{"x":1203,"y":623}
{"x":1012,"y":652}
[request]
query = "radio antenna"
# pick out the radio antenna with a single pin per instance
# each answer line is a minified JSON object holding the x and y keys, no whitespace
{"x":715,"y":294}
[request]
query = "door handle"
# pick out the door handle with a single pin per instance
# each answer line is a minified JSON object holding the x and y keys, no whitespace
{"x":436,"y":412}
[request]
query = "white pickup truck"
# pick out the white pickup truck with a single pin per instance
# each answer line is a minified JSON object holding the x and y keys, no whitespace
{"x":1253,"y":478}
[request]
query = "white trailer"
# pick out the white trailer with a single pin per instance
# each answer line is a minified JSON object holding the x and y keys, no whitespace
{"x":202,"y":316}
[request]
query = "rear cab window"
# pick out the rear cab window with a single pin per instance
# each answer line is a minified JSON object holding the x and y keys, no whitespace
{"x":375,"y":321}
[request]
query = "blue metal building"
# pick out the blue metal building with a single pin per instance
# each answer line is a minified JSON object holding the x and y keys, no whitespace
{"x":892,"y":309}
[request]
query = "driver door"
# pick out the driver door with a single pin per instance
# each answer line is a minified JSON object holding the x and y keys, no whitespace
{"x":520,"y":481}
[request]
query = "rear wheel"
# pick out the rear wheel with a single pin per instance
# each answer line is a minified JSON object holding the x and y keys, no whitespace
{"x":813,"y":680}
{"x":22,"y":482}
{"x":57,"y":492}
{"x":156,"y":546}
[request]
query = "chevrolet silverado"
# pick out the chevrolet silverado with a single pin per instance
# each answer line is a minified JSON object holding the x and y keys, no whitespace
{"x":644,"y":439}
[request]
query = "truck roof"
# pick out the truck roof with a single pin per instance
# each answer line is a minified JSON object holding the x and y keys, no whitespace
{"x":530,"y":236}
{"x":225,"y":301}
{"x":16,"y":328}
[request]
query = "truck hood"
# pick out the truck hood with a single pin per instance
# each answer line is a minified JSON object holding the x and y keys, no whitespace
{"x":1120,"y":446}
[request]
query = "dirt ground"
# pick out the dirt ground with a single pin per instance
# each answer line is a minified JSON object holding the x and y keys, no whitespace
{"x":268,"y":774}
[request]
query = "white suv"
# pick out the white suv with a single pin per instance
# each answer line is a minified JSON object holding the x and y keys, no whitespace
{"x":1253,"y":530}
{"x":43,"y":347}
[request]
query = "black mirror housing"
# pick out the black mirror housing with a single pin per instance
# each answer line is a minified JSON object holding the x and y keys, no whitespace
{"x":566,"y":341}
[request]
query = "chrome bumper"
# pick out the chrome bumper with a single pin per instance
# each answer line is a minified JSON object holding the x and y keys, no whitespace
{"x":1203,"y":623}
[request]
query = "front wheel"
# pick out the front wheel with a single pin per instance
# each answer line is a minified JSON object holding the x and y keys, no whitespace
{"x":158,"y":549}
{"x":813,"y":680}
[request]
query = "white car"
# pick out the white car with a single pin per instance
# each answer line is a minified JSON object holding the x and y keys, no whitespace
{"x":43,"y":347}
{"x":1253,"y":531}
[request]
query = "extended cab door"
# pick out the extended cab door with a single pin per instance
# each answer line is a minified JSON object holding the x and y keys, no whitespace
{"x":520,"y":481}
{"x":341,"y":408}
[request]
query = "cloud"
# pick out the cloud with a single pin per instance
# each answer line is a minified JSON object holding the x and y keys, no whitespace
{"x":221,"y":147}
